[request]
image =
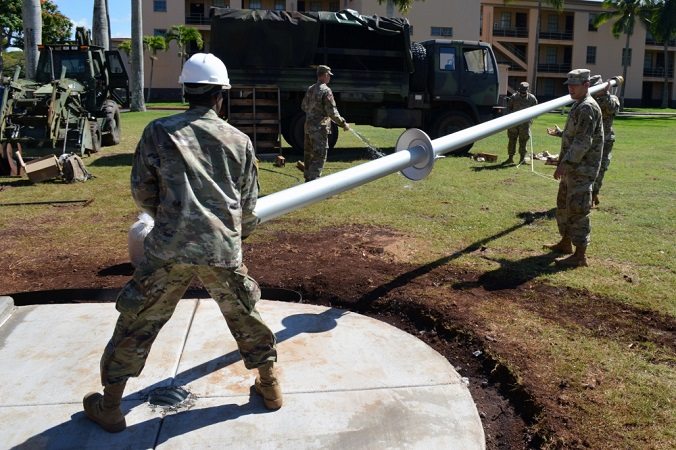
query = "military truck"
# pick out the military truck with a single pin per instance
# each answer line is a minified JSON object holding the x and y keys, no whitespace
{"x":72,"y":105}
{"x":381,"y":77}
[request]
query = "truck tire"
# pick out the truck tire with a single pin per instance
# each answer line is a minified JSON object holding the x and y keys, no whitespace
{"x":418,"y":80}
{"x":450,"y":123}
{"x":96,"y":137}
{"x":111,"y":124}
{"x":294,"y":133}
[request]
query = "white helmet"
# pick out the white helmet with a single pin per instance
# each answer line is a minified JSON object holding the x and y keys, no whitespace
{"x":205,"y":68}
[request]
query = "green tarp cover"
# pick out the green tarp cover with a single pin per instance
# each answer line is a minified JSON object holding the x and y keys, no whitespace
{"x":277,"y":39}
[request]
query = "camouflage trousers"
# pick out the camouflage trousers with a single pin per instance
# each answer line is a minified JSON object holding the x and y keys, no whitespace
{"x":148,"y":301}
{"x":316,"y":146}
{"x":605,"y":163}
{"x":573,"y":206}
{"x":522,"y":132}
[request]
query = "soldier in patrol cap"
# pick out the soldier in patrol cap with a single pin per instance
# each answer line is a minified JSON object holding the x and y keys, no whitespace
{"x":579,"y":162}
{"x":196,"y":176}
{"x":521,"y":99}
{"x":320,"y":109}
{"x":610,"y":106}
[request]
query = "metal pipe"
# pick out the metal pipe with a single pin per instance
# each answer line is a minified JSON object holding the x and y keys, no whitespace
{"x":414,"y":157}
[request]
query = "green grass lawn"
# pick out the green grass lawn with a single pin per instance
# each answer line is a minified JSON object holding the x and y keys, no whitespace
{"x":461,"y":205}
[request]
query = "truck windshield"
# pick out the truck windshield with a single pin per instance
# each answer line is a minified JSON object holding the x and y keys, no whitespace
{"x":478,"y":60}
{"x":74,"y":61}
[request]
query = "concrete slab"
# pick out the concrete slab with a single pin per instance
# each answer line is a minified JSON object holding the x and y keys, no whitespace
{"x":349,"y":382}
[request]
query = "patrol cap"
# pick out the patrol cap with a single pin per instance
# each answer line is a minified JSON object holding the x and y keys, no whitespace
{"x":523,"y":86}
{"x":577,"y":76}
{"x":596,"y":79}
{"x":322,"y":69}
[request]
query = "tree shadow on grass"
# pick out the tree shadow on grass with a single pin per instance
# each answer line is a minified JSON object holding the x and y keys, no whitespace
{"x":113,"y":160}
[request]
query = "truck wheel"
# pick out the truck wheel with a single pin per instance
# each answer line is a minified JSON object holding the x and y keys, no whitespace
{"x":111,"y":124}
{"x":294,"y":133}
{"x":450,"y":123}
{"x":96,"y":137}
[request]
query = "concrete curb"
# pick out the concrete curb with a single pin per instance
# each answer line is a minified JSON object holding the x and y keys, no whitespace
{"x":6,"y":308}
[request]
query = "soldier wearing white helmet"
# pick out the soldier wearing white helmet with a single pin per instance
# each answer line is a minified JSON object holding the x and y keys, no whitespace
{"x":195,"y":174}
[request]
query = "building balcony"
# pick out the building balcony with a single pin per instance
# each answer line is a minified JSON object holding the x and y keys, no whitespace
{"x":197,"y":19}
{"x":657,"y":72}
{"x":649,"y":40}
{"x":557,"y":35}
{"x":503,"y":31}
{"x":555,"y":68}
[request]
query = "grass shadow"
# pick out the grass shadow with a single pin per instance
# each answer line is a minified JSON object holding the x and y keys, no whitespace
{"x":113,"y":160}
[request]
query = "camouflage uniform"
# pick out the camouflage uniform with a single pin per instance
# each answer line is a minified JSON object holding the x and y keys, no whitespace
{"x":320,"y":109}
{"x":610,"y":105}
{"x":518,"y":102}
{"x":581,"y":151}
{"x":196,"y":175}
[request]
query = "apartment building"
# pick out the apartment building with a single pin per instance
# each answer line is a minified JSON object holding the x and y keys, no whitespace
{"x":566,"y":39}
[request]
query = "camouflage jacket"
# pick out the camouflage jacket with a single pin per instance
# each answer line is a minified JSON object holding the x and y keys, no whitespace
{"x":320,"y":107}
{"x":610,"y":106}
{"x":196,"y":175}
{"x":517,"y":102}
{"x":582,"y":139}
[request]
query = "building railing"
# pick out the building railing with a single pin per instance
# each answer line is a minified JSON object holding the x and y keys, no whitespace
{"x":197,"y":19}
{"x":649,"y":40}
{"x":555,"y":68}
{"x":516,"y":51}
{"x":558,"y":35}
{"x":657,"y":72}
{"x":499,"y":30}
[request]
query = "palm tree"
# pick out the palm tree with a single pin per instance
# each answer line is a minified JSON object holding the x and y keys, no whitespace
{"x":402,"y":5}
{"x":184,"y":36}
{"x":625,"y":13}
{"x":32,"y":32}
{"x":100,"y":24}
{"x":154,"y":44}
{"x":137,"y":103}
{"x":663,"y":28}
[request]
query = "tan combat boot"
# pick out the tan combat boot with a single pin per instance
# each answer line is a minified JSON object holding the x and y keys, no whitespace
{"x":595,"y":199}
{"x":105,"y":409}
{"x":268,"y":387}
{"x":564,"y":246}
{"x":578,"y":259}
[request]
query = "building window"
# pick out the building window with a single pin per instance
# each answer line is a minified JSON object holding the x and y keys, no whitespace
{"x":334,"y":5}
{"x":550,"y":55}
{"x":441,"y":31}
{"x":314,"y":5}
{"x":254,"y":4}
{"x":160,"y":32}
{"x":592,"y":19}
{"x":280,"y":5}
{"x":626,"y":57}
{"x":505,"y":20}
{"x":548,"y":87}
{"x":552,"y":23}
{"x":160,"y":5}
{"x":591,"y":55}
{"x":221,"y":3}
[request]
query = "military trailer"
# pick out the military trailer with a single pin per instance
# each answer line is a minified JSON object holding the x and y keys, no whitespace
{"x":381,"y":77}
{"x":72,"y":105}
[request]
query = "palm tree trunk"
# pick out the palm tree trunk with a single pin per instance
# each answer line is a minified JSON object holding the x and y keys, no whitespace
{"x":625,"y":65}
{"x":32,"y":31}
{"x":100,"y":24}
{"x":136,"y":81}
{"x":665,"y":87}
{"x":150,"y":83}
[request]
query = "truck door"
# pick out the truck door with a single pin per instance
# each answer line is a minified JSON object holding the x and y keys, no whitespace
{"x":118,"y":78}
{"x":446,"y":73}
{"x":479,"y":77}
